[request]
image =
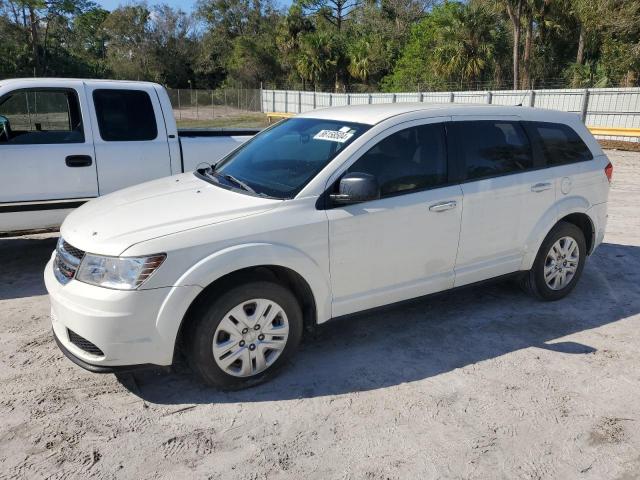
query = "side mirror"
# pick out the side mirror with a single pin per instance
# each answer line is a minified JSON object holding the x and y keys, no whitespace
{"x":355,"y":188}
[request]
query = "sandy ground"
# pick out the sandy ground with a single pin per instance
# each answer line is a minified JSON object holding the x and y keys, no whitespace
{"x":482,"y":383}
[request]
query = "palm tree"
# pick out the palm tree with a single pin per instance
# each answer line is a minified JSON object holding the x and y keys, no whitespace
{"x":466,"y":49}
{"x":360,"y":60}
{"x":317,"y":57}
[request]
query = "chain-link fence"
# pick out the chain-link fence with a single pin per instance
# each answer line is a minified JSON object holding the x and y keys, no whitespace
{"x":209,"y":107}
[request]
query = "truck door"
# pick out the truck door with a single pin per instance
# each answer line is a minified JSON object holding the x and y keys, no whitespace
{"x":46,"y":150}
{"x":130,"y":135}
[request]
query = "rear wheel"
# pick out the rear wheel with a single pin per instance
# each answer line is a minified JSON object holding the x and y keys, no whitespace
{"x":241,"y":337}
{"x":559,"y":263}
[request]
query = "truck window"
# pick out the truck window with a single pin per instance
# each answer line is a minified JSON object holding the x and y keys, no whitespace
{"x":560,"y":143}
{"x":30,"y":117}
{"x":125,"y":115}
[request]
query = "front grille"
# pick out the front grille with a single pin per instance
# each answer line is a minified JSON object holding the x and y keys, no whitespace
{"x":84,"y":344}
{"x":67,"y":261}
{"x":76,"y":252}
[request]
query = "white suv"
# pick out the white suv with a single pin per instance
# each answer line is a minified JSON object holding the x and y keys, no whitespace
{"x":329,"y":213}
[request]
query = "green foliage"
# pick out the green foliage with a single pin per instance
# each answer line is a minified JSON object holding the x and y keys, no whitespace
{"x":359,"y":45}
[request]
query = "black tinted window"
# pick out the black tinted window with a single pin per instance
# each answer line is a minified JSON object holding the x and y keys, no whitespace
{"x":560,"y":144}
{"x":125,"y":115}
{"x":411,"y":159}
{"x":492,"y":148}
{"x":40,"y":117}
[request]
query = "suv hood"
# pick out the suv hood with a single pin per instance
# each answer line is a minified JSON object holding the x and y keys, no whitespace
{"x":109,"y":225}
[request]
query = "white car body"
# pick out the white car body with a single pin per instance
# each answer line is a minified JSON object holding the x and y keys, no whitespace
{"x":38,"y":189}
{"x":351,"y":258}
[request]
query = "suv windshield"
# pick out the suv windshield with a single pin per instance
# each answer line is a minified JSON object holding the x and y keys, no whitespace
{"x":281,"y":160}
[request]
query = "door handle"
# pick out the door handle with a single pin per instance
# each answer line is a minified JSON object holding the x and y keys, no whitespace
{"x":78,"y":161}
{"x":541,"y":187}
{"x":442,"y":206}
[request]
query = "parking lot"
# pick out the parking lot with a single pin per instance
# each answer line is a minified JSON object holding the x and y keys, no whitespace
{"x":480,"y":383}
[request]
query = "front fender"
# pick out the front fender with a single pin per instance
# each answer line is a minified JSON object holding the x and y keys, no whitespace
{"x":235,"y":258}
{"x":566,"y":206}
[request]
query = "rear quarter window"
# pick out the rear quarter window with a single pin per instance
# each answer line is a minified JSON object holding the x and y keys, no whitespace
{"x":125,"y":115}
{"x":559,"y":143}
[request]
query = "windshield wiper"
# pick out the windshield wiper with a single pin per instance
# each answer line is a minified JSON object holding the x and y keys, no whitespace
{"x":233,"y":179}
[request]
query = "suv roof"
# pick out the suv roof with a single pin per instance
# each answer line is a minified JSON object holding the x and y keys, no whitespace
{"x":372,"y":114}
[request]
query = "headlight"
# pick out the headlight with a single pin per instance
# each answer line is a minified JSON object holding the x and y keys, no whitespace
{"x":121,"y":273}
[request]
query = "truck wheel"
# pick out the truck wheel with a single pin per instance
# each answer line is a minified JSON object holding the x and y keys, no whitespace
{"x":244,"y":335}
{"x":559,"y":263}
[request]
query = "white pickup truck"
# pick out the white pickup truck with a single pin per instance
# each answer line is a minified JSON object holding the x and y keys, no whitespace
{"x":66,"y":141}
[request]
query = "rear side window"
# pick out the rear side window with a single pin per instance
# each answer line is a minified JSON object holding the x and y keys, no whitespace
{"x":125,"y":115}
{"x":49,"y":116}
{"x":560,"y":144}
{"x":490,"y":148}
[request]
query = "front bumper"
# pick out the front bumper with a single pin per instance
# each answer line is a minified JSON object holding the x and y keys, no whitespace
{"x":123,"y":325}
{"x":97,"y":368}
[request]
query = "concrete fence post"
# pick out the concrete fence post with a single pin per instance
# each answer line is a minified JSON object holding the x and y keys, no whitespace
{"x":585,"y":105}
{"x":299,"y":101}
{"x":286,"y":101}
{"x":330,"y":99}
{"x":451,"y":97}
{"x":393,"y":98}
{"x":370,"y":99}
{"x":314,"y":99}
{"x":421,"y":97}
{"x":273,"y":100}
{"x":532,"y":98}
{"x":489,"y":97}
{"x":348,"y":99}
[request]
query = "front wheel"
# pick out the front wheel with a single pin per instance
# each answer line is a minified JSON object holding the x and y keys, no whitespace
{"x":243,"y":336}
{"x":558,"y":264}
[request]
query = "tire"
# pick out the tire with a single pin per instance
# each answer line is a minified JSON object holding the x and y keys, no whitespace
{"x":556,"y":287}
{"x":232,"y":355}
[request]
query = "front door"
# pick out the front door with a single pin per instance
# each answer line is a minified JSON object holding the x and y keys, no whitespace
{"x":46,"y":152}
{"x":404,"y":244}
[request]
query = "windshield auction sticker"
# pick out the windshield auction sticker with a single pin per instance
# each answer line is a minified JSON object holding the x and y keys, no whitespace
{"x":339,"y":136}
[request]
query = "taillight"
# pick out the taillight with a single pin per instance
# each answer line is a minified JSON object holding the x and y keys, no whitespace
{"x":608,"y":171}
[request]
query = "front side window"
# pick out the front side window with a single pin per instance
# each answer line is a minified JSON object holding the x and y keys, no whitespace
{"x":408,"y":160}
{"x":492,"y":148}
{"x":125,"y":115}
{"x":281,"y":160}
{"x":560,"y":143}
{"x":30,"y":117}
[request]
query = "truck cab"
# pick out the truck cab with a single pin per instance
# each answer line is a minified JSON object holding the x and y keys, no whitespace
{"x":66,"y":141}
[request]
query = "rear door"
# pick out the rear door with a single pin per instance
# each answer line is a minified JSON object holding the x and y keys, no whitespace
{"x":130,"y":135}
{"x":569,"y":161}
{"x":506,"y":192}
{"x":46,"y":149}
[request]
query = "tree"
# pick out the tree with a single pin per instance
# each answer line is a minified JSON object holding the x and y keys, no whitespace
{"x":514,"y":10}
{"x":463,"y":43}
{"x":336,"y":12}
